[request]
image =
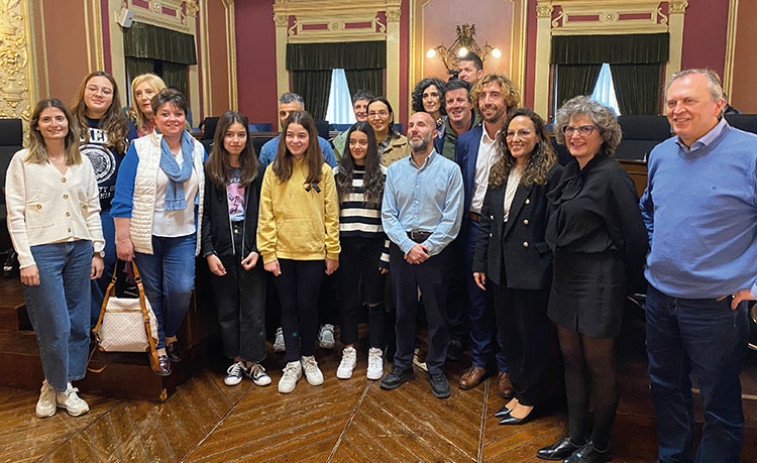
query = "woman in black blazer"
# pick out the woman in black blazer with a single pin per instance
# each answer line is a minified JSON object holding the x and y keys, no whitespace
{"x":512,"y":255}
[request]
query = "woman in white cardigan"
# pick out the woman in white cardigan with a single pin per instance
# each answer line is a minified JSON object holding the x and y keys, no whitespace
{"x":54,"y":223}
{"x":157,"y":210}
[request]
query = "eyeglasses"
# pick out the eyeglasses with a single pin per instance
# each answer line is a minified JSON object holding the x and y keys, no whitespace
{"x":104,"y":90}
{"x":522,"y":133}
{"x":379,"y":114}
{"x":584,"y":130}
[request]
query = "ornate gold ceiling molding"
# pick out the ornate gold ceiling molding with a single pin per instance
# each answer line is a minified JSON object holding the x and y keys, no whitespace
{"x":178,"y":15}
{"x":15,"y":63}
{"x":328,"y":21}
{"x":608,"y":17}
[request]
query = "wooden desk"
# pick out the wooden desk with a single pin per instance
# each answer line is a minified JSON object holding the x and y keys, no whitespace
{"x":637,"y":170}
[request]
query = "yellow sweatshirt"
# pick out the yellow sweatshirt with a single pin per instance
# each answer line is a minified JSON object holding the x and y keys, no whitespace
{"x":297,"y":224}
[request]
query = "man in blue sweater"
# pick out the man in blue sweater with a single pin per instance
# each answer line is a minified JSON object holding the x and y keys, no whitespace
{"x":700,"y":209}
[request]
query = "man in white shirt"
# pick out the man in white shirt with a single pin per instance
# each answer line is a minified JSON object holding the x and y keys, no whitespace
{"x":476,"y":152}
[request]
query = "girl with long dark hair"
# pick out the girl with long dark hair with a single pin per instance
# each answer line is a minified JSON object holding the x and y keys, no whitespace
{"x":232,"y":197}
{"x":360,"y":186}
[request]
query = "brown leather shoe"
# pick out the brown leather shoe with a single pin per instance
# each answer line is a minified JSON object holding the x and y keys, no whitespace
{"x":472,"y":378}
{"x":505,"y":386}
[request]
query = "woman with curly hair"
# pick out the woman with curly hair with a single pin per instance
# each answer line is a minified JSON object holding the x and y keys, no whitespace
{"x":597,"y":234}
{"x":103,"y":129}
{"x":364,"y":258}
{"x":512,"y":257}
{"x":428,"y":96}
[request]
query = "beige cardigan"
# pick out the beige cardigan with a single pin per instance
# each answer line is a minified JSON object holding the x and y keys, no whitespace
{"x":45,"y":206}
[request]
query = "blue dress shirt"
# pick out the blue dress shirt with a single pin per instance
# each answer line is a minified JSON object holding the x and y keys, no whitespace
{"x":427,"y":198}
{"x":268,"y":151}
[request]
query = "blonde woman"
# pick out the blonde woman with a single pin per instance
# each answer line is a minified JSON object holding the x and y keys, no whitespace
{"x":140,"y":114}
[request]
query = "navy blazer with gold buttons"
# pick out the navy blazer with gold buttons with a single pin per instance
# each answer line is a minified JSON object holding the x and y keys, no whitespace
{"x":526,"y":259}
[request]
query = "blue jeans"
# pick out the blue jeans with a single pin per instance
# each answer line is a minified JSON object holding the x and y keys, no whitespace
{"x":100,"y":285}
{"x":168,"y":275}
{"x":486,"y":350}
{"x":59,"y":309}
{"x":703,"y":337}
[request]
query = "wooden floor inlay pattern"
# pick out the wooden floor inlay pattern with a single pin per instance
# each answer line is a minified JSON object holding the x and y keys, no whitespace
{"x":340,"y":421}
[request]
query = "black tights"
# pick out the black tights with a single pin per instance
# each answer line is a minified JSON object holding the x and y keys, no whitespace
{"x":597,"y":355}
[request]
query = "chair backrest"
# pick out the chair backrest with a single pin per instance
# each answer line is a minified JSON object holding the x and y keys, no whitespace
{"x":745,"y":122}
{"x":11,"y":140}
{"x":640,"y":135}
{"x":259,"y":127}
{"x":323,"y":129}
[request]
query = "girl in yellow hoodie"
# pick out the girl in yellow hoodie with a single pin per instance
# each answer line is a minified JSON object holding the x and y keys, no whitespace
{"x":298,"y":234}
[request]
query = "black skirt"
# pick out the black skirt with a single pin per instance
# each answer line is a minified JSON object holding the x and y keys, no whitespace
{"x":588,"y":293}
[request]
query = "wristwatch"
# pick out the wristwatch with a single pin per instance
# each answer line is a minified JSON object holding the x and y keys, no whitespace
{"x":99,"y":253}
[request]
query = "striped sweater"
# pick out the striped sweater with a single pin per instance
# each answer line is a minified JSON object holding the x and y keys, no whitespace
{"x":356,"y":218}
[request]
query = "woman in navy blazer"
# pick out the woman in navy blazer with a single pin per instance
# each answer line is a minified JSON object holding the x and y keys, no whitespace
{"x":512,"y":255}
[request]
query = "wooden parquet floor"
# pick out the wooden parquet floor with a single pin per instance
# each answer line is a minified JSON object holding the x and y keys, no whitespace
{"x":340,"y":421}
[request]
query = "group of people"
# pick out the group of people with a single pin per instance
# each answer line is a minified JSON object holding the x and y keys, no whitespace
{"x":472,"y":201}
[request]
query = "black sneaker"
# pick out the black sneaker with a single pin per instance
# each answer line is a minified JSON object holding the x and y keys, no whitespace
{"x":454,"y":350}
{"x":439,"y":385}
{"x":396,"y":377}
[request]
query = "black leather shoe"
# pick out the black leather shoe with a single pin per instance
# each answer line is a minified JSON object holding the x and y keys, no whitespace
{"x":560,"y":450}
{"x":504,"y":411}
{"x":439,"y":385}
{"x":396,"y":377}
{"x":173,"y":350}
{"x":590,"y":454}
{"x":164,"y":366}
{"x":454,"y":350}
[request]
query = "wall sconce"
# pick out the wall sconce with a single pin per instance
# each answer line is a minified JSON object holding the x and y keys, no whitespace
{"x":463,"y":44}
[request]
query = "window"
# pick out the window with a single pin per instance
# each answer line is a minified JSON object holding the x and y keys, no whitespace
{"x":339,"y":110}
{"x":604,"y":90}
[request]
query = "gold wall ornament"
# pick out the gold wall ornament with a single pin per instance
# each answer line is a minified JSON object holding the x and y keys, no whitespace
{"x":608,"y":17}
{"x":281,"y":20}
{"x":677,"y":6}
{"x":15,"y":70}
{"x":192,"y":7}
{"x":544,"y":10}
{"x":393,"y":15}
{"x":464,"y":43}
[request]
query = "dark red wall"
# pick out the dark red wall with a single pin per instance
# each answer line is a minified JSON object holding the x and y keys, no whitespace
{"x":256,"y":61}
{"x":704,"y":35}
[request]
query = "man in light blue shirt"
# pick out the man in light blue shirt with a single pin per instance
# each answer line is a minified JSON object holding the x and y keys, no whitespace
{"x":700,"y":209}
{"x":421,"y":213}
{"x":287,"y":103}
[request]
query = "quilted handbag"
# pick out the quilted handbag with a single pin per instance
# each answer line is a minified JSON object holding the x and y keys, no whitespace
{"x":127,"y":324}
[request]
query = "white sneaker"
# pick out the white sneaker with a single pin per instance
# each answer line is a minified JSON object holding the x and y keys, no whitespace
{"x":291,"y":374}
{"x":349,"y":357}
{"x":375,"y":364}
{"x":234,"y":374}
{"x":70,"y":400}
{"x":278,"y":341}
{"x":46,"y":404}
{"x":326,"y":336}
{"x":312,"y":372}
{"x":258,"y":375}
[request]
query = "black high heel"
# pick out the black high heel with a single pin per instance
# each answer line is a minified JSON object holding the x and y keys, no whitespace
{"x":503,"y":412}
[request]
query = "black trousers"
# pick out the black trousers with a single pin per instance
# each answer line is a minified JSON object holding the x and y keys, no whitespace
{"x":523,"y":328}
{"x":430,"y":276}
{"x":240,"y":302}
{"x":298,"y":287}
{"x":359,"y":269}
